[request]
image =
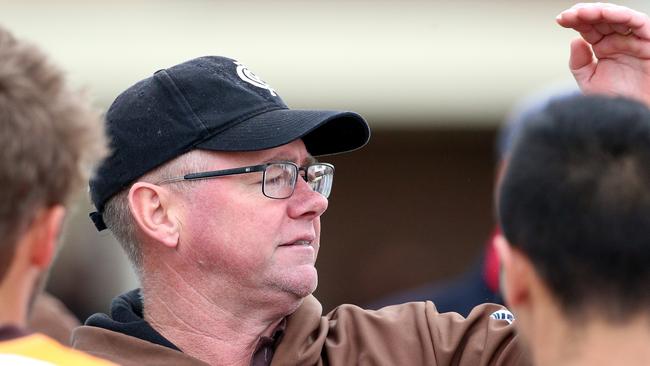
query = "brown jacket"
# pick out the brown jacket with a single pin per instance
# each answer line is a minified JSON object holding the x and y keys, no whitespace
{"x":408,"y":334}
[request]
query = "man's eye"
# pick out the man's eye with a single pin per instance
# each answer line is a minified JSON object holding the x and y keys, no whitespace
{"x":274,"y":180}
{"x":275,"y":173}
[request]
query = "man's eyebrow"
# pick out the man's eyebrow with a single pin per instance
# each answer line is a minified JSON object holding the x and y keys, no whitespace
{"x":306,"y":161}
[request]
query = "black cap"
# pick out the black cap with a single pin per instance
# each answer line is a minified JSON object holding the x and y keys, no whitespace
{"x":213,"y":103}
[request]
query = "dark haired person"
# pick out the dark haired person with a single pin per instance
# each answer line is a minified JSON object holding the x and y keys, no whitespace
{"x":574,"y":205}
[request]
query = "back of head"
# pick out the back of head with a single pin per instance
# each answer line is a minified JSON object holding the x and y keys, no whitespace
{"x":520,"y":114}
{"x":576,"y":200}
{"x":49,"y":139}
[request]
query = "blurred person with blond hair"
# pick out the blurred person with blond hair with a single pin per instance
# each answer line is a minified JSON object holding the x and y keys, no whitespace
{"x":50,"y":138}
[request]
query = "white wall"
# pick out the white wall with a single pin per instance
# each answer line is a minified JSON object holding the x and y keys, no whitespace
{"x":407,"y":62}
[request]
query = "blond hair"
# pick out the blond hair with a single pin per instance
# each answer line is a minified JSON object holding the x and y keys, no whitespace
{"x":50,"y":138}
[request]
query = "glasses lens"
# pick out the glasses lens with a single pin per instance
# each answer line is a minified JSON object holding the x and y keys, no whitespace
{"x":279,"y":180}
{"x":320,"y":178}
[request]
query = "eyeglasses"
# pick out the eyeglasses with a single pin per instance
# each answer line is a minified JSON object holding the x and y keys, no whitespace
{"x":279,"y":179}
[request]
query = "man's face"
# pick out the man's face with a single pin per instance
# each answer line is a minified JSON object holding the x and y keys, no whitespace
{"x":241,"y":241}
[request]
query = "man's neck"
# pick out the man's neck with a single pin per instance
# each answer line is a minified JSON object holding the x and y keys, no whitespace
{"x":598,"y":342}
{"x":13,"y":311}
{"x":15,"y":293}
{"x":207,"y":326}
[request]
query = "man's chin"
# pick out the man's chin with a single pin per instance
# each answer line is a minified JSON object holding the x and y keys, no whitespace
{"x":305,"y":291}
{"x":302,"y":282}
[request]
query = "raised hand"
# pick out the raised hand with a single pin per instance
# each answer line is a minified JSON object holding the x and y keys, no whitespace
{"x":613,"y":54}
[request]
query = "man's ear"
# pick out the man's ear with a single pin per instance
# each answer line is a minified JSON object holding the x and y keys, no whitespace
{"x":516,"y":273}
{"x":150,"y":205}
{"x":43,"y":235}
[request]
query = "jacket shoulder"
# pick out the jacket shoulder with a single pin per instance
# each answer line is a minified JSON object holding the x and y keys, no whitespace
{"x":127,"y":350}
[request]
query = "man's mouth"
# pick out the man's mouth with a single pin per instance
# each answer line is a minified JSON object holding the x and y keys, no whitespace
{"x":298,"y":243}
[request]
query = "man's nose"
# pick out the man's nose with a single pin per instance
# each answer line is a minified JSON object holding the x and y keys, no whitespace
{"x":305,"y":202}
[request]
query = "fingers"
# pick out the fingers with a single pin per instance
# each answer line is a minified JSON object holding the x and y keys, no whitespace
{"x":621,"y":29}
{"x":620,"y":45}
{"x":597,"y":20}
{"x":628,"y":19}
{"x":582,"y":61}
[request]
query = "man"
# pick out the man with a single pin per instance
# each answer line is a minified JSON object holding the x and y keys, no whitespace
{"x":49,"y":139}
{"x":224,"y":234}
{"x":213,"y":192}
{"x":575,"y":205}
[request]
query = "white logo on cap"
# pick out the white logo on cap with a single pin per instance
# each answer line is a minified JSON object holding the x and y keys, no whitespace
{"x":248,"y":76}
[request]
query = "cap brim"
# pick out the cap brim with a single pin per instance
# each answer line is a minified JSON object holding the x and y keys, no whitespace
{"x":323,"y":132}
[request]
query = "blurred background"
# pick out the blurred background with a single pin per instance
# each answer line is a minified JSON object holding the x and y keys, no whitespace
{"x":435,"y":79}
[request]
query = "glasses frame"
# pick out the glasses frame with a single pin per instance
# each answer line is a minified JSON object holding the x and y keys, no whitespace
{"x":250,"y":169}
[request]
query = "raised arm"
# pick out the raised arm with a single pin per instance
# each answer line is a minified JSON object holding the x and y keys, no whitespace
{"x":613,"y":54}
